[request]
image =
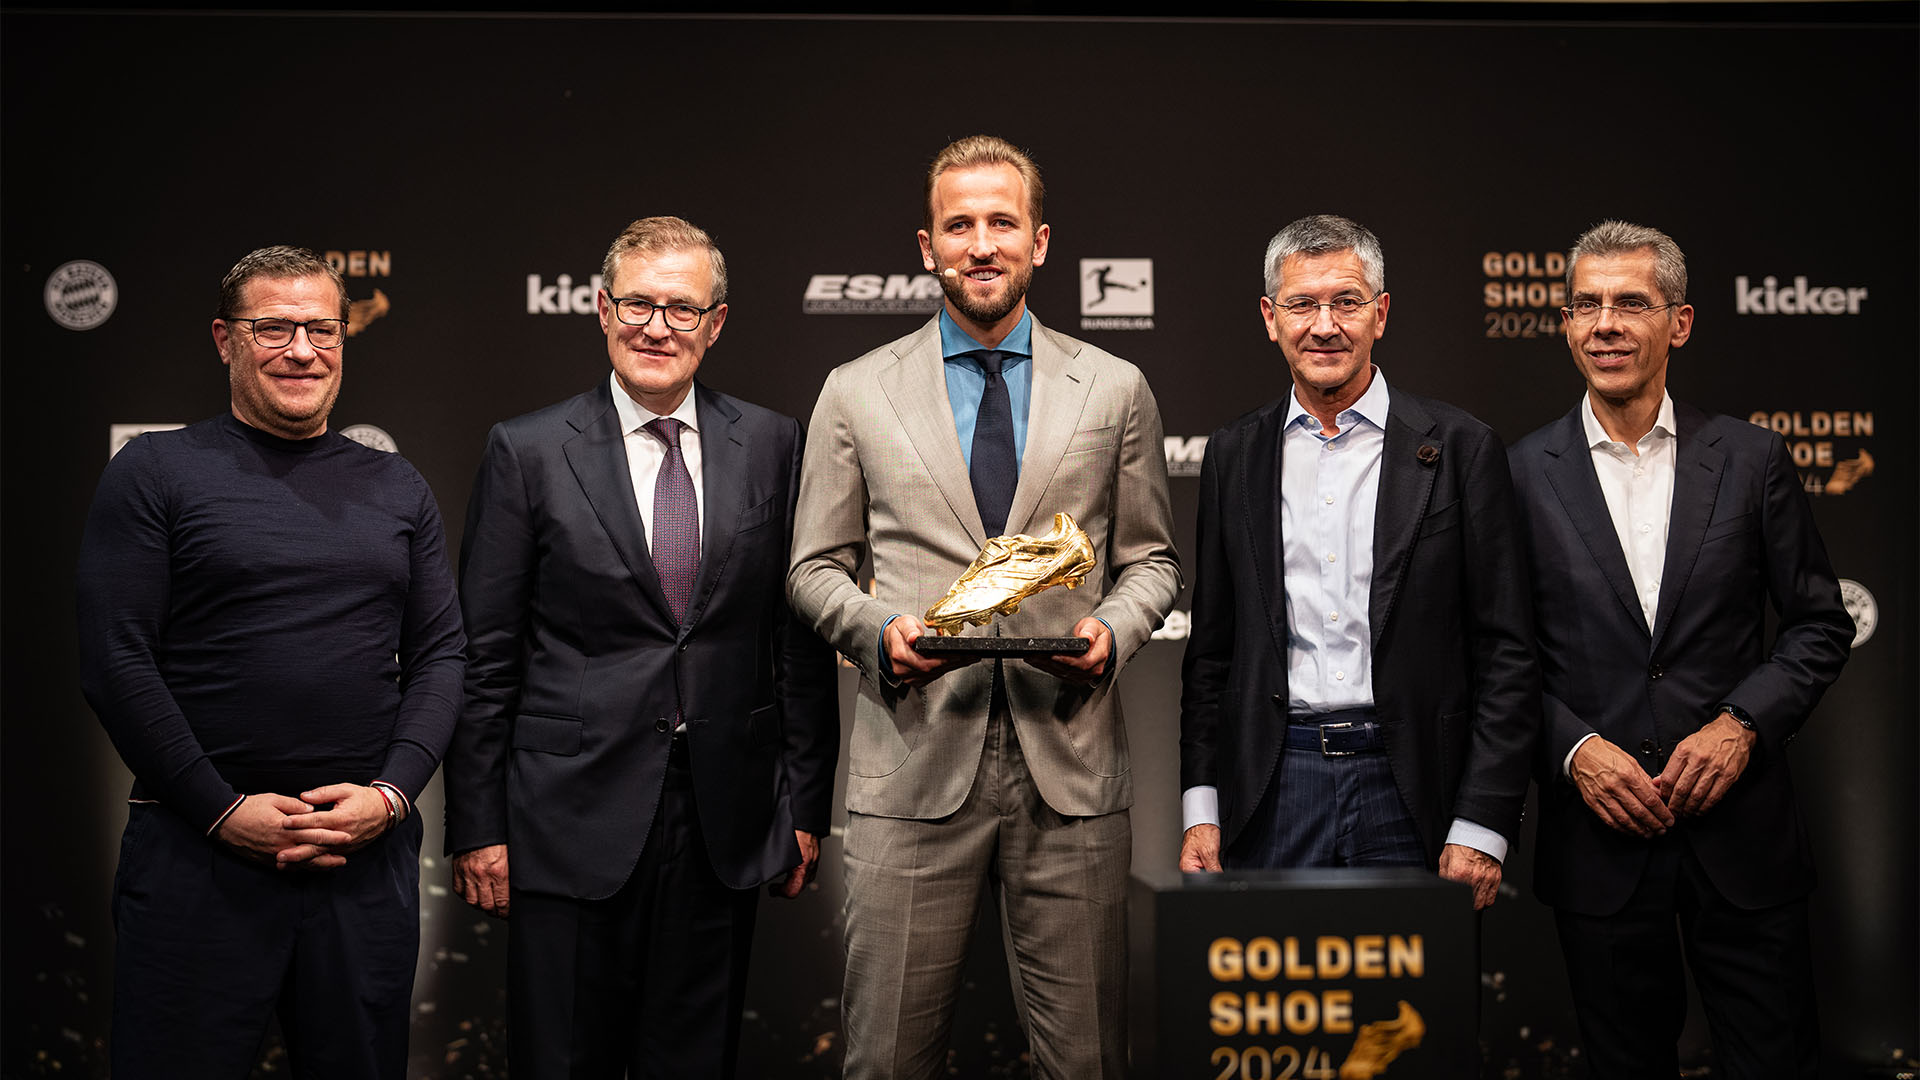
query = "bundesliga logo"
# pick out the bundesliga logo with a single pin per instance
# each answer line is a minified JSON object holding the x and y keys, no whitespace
{"x":1116,"y":294}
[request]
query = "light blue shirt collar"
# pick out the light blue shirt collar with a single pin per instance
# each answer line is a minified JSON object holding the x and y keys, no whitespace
{"x":954,"y":341}
{"x":1372,"y":407}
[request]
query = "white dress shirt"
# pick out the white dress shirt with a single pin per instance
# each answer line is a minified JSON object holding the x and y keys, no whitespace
{"x":1637,"y":481}
{"x":645,"y":454}
{"x":1329,"y":489}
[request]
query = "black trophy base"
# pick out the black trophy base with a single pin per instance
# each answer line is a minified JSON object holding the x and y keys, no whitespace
{"x":935,"y":645}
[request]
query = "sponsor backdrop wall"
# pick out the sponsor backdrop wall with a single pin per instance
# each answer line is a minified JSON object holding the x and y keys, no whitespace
{"x":468,"y":173}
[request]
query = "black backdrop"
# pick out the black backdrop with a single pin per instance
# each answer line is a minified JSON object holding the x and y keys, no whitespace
{"x":470,"y":161}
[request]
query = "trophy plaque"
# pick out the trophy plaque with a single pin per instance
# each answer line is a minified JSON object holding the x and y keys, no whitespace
{"x":1007,"y":571}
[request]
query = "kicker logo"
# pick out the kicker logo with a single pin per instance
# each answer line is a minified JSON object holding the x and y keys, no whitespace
{"x":1772,"y":298}
{"x":562,"y":297}
{"x":871,"y":294}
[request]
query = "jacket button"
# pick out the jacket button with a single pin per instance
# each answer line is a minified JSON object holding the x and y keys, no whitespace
{"x":661,"y":724}
{"x":1647,"y":746}
{"x":1656,"y":671}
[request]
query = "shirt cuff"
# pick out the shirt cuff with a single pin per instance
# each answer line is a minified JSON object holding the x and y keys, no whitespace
{"x":886,"y":662}
{"x":1113,"y":646}
{"x":1199,"y":805}
{"x":1479,"y":838}
{"x":1566,"y":766}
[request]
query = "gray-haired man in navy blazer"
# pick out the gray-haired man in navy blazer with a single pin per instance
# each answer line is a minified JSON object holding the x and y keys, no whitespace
{"x":1359,"y":686}
{"x":648,"y":731}
{"x":1659,"y":535}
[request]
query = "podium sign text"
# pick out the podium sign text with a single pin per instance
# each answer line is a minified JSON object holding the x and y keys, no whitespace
{"x":1304,"y":975}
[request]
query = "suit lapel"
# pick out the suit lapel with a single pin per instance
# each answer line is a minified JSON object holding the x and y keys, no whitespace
{"x":723,"y":466}
{"x":1406,"y":487}
{"x":1061,"y":383}
{"x":1260,"y":509}
{"x":1698,"y":463}
{"x":916,"y":387}
{"x":1570,"y":471}
{"x":598,"y":458}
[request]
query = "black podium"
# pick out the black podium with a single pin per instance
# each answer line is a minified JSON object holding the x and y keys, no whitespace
{"x":1303,"y":975}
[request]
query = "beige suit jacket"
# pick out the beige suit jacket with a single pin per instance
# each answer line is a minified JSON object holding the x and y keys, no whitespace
{"x":884,"y":477}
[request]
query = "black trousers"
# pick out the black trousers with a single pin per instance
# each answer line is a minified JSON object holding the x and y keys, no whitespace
{"x":1754,"y":969}
{"x":210,"y":945}
{"x":649,"y":982}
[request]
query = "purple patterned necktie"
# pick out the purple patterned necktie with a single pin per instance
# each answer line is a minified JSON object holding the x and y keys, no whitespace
{"x":676,"y":520}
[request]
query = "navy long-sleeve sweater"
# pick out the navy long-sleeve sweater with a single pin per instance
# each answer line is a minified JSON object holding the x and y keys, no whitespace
{"x":259,"y":614}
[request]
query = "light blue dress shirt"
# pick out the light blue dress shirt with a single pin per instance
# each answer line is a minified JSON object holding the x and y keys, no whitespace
{"x":1329,"y":488}
{"x":966,"y":379}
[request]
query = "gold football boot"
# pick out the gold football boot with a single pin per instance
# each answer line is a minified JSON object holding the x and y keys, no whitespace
{"x":1010,"y":569}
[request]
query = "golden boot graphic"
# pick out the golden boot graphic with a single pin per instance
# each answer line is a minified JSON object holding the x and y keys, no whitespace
{"x":1380,"y":1042}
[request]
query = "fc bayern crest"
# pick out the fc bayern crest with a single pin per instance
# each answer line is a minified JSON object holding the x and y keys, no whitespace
{"x":370,"y":437}
{"x":81,"y":295}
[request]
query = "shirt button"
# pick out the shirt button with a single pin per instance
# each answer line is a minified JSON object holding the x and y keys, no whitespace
{"x":1333,"y":616}
{"x":1329,"y":556}
{"x":1329,"y":500}
{"x":1340,"y":676}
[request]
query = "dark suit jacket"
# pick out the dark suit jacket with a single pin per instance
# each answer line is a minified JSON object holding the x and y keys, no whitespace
{"x":1453,"y":673}
{"x":1740,"y":533}
{"x":576,"y":669}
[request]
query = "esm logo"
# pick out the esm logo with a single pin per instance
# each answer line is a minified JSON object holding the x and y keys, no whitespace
{"x":871,"y":294}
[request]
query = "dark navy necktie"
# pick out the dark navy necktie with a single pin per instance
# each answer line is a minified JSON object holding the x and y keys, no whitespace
{"x":994,"y":470}
{"x":676,"y":520}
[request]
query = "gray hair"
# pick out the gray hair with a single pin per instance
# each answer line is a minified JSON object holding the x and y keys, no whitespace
{"x":1625,"y":238}
{"x":279,"y":262}
{"x":653,"y":235}
{"x":1321,"y":234}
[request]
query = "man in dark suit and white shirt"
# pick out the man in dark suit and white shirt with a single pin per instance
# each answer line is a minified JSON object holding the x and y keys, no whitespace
{"x":647,"y":731}
{"x":1658,"y":536}
{"x":1359,"y":685}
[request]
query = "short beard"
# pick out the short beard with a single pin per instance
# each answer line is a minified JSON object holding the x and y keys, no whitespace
{"x":988,"y":313}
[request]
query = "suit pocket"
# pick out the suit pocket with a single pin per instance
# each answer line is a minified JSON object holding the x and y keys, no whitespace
{"x":756,"y":516}
{"x":1439,"y":521}
{"x":1094,"y":439}
{"x":547,"y":734}
{"x":1733,"y":526}
{"x":763,"y":726}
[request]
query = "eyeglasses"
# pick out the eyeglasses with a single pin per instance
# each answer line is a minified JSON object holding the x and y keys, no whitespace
{"x":274,"y":333}
{"x":637,"y":312}
{"x":1300,"y":309}
{"x":1586,"y":310}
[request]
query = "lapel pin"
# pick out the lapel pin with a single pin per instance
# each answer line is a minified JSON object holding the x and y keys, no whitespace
{"x":1428,"y":453}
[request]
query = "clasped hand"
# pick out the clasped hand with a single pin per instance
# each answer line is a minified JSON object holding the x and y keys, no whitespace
{"x":1703,"y":768}
{"x":294,"y":833}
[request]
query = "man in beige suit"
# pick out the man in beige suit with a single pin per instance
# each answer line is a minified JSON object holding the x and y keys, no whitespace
{"x":981,"y":423}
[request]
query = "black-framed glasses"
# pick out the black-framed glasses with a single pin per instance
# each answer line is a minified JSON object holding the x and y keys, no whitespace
{"x":634,"y":311}
{"x":275,"y":333}
{"x":1342,"y":307}
{"x":1585,"y":310}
